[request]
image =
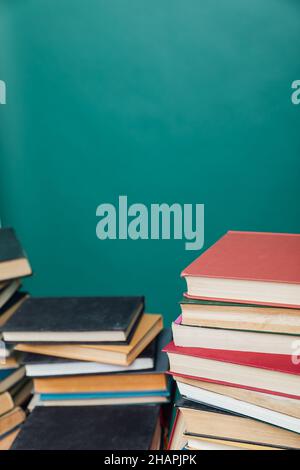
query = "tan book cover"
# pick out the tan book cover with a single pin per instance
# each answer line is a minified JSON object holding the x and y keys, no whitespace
{"x":101,"y":383}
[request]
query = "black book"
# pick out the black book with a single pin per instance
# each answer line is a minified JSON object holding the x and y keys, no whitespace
{"x":131,"y":427}
{"x":13,"y":260}
{"x":194,"y":405}
{"x":75,"y":320}
{"x":151,"y":360}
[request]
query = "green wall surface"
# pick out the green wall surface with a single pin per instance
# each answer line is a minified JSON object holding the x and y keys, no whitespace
{"x":165,"y":101}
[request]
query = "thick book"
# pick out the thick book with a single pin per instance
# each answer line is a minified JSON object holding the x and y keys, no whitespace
{"x":179,"y":440}
{"x":13,"y":260}
{"x":203,"y":420}
{"x":269,"y":373}
{"x":225,"y":402}
{"x":148,"y":328}
{"x":91,"y":428}
{"x":216,"y":338}
{"x":239,"y":316}
{"x":151,"y":359}
{"x":75,"y":319}
{"x":251,"y":267}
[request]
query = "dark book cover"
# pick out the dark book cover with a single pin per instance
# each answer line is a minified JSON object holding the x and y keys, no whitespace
{"x":76,"y":314}
{"x":10,"y":247}
{"x":12,"y":301}
{"x":128,"y":427}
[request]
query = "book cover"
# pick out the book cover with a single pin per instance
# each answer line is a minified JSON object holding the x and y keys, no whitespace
{"x":256,"y":256}
{"x":78,"y":315}
{"x":130,"y":427}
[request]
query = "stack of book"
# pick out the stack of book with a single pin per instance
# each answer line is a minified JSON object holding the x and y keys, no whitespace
{"x":15,"y":389}
{"x":236,"y":350}
{"x":85,"y":352}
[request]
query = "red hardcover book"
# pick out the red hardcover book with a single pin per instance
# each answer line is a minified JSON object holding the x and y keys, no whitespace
{"x":282,"y":376}
{"x":247,"y":267}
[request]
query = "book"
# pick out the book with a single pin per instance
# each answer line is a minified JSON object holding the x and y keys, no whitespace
{"x":269,"y":373}
{"x":7,"y":440}
{"x":224,"y":402}
{"x":151,"y":359}
{"x":91,"y":428}
{"x":37,"y":400}
{"x":74,"y":319}
{"x":37,"y":365}
{"x":242,"y":317}
{"x":12,"y":379}
{"x":13,"y":261}
{"x":205,"y":443}
{"x":279,"y":404}
{"x":10,"y":307}
{"x":101,"y":383}
{"x":148,"y":328}
{"x":9,"y":421}
{"x":8,"y":291}
{"x":15,"y":396}
{"x":249,"y":267}
{"x":206,"y":421}
{"x":215,"y":338}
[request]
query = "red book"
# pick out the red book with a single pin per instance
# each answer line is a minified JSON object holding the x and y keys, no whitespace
{"x":276,"y":374}
{"x":247,"y":267}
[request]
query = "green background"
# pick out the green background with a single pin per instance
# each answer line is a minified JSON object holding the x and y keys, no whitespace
{"x":163,"y":101}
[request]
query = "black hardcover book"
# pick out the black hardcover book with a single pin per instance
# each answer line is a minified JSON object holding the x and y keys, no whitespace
{"x":75,"y":319}
{"x":131,"y":427}
{"x":13,"y":260}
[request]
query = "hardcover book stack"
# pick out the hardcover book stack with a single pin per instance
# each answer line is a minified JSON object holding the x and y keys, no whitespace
{"x":86,"y":352}
{"x":235,"y":355}
{"x":15,"y":388}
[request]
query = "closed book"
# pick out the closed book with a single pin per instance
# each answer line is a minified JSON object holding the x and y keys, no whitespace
{"x":100,"y":383}
{"x":13,"y":260}
{"x":74,"y":319}
{"x":17,"y":395}
{"x":240,"y":317}
{"x":91,"y":428}
{"x":216,"y":338}
{"x":8,"y":291}
{"x":250,"y":267}
{"x":268,"y":373}
{"x":10,"y":380}
{"x":10,"y":307}
{"x":244,"y":408}
{"x":11,"y":420}
{"x":151,"y":359}
{"x":7,"y":440}
{"x":203,"y":420}
{"x":148,"y":328}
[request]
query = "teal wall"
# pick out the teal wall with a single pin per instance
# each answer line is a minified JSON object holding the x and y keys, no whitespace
{"x":163,"y":101}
